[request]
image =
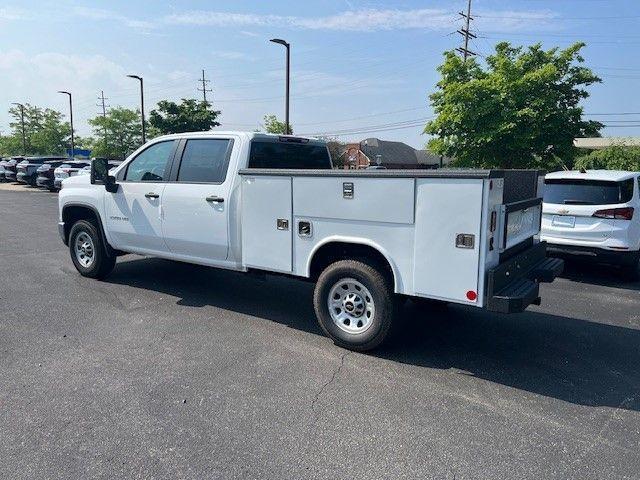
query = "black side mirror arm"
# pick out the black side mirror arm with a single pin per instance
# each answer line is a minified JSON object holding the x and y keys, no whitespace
{"x":110,"y":184}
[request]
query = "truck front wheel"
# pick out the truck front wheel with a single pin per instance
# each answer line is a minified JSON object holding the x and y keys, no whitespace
{"x":88,"y":251}
{"x":354,"y":304}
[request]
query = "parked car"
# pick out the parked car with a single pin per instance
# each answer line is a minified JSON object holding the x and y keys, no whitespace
{"x":251,"y":202}
{"x":66,"y":170}
{"x":10,"y":168}
{"x":110,"y":163}
{"x":27,"y":170}
{"x":45,"y":174}
{"x":2,"y":163}
{"x":594,"y":215}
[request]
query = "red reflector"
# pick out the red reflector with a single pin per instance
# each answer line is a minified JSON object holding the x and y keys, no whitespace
{"x":471,"y":295}
{"x":615,"y":213}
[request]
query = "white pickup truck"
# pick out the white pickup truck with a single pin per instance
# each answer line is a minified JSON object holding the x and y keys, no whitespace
{"x":267,"y":203}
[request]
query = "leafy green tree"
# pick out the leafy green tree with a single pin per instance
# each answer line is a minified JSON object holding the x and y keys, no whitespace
{"x":336,"y":149}
{"x":273,"y":125}
{"x":117,"y":133}
{"x":10,"y":145}
{"x":53,"y":134}
{"x":520,"y":111}
{"x":189,"y":116}
{"x":617,"y":157}
{"x":46,"y":131}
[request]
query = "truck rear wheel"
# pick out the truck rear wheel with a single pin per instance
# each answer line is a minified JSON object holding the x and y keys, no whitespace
{"x":88,"y":251}
{"x":354,"y":304}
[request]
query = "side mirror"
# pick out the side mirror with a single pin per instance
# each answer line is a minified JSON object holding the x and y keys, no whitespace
{"x":100,"y":175}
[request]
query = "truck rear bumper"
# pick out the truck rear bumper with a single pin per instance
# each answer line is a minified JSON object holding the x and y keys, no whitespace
{"x":514,"y":285}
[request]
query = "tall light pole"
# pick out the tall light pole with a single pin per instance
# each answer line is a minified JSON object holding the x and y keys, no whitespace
{"x":24,"y":136}
{"x":73,"y":146}
{"x":144,"y":137}
{"x":287,"y":45}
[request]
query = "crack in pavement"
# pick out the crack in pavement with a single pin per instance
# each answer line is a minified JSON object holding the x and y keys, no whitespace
{"x":331,"y":380}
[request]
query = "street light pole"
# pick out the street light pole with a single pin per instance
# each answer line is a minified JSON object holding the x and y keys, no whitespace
{"x":144,"y":136}
{"x":24,"y":137}
{"x":287,"y":45}
{"x":73,"y":146}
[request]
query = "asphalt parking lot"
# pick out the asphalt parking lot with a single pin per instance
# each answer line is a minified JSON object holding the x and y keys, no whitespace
{"x":168,"y":370}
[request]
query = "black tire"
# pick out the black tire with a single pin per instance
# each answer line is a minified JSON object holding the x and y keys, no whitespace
{"x":382,"y":296}
{"x":102,"y":264}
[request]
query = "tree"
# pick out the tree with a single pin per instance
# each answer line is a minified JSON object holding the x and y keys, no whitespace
{"x":189,"y":116}
{"x":617,"y":157}
{"x":336,"y":149}
{"x":118,"y":133}
{"x":53,"y":134}
{"x":520,"y":111}
{"x":46,"y":131}
{"x":273,"y":125}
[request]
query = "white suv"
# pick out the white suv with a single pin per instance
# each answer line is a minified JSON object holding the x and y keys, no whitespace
{"x":594,"y":214}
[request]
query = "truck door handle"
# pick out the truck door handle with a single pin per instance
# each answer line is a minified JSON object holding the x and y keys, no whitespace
{"x":214,"y":199}
{"x":151,"y":195}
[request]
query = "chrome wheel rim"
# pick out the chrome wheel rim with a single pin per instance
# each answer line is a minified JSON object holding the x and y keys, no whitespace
{"x":85,"y":251}
{"x":351,"y":306}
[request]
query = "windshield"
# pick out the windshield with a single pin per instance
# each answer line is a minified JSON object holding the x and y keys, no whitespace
{"x":587,"y":192}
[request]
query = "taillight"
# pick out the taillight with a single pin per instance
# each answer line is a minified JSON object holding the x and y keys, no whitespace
{"x":615,"y":213}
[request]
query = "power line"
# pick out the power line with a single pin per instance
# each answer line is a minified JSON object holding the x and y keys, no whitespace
{"x":204,"y":88}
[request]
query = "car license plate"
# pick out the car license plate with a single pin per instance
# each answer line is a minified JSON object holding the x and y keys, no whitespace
{"x":563,"y":221}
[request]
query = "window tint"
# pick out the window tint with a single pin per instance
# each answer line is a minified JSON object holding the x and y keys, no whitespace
{"x":204,"y":160}
{"x":587,"y":192}
{"x":150,"y":164}
{"x":288,"y":155}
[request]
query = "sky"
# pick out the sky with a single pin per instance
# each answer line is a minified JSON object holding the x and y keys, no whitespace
{"x":360,"y":68}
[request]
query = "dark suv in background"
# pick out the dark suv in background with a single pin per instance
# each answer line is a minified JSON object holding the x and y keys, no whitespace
{"x":27,"y":169}
{"x":46,"y":177}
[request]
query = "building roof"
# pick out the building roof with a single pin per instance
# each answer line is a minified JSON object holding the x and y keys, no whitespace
{"x":391,"y":153}
{"x":597,"y":143}
{"x":398,"y":153}
{"x":610,"y":175}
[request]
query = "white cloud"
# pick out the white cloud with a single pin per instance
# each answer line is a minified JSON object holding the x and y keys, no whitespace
{"x":230,"y":55}
{"x":102,"y":14}
{"x":10,"y":13}
{"x":37,"y":78}
{"x":365,"y":20}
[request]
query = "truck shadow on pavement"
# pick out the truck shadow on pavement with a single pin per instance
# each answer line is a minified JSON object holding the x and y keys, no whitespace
{"x":577,"y":361}
{"x":603,"y":275}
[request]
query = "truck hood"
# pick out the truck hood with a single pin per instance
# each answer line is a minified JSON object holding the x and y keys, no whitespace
{"x":77,"y":180}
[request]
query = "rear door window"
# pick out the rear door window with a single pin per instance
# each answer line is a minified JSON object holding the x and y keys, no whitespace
{"x":205,"y":160}
{"x":283,"y":155}
{"x":587,"y":192}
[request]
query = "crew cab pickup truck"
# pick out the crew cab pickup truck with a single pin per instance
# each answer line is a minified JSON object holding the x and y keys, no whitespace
{"x":264,"y":203}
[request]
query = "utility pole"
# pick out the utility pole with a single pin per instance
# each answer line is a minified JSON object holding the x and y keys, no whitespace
{"x":24,"y":136}
{"x":466,"y":33}
{"x":102,"y":104}
{"x":104,"y":115}
{"x":204,"y":88}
